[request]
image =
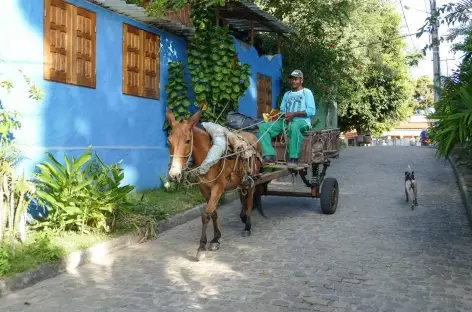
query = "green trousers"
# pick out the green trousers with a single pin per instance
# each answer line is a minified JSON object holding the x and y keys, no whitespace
{"x":269,"y":130}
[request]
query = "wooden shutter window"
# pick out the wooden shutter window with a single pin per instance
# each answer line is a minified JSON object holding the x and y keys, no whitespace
{"x":84,"y":47}
{"x":132,"y":60}
{"x":69,"y":44}
{"x":151,"y":66}
{"x":57,"y":47}
{"x":141,"y":62}
{"x":264,"y":94}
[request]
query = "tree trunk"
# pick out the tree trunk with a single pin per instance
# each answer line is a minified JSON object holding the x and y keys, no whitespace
{"x":359,"y":130}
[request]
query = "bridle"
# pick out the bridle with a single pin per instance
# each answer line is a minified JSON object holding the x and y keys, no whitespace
{"x":187,"y":156}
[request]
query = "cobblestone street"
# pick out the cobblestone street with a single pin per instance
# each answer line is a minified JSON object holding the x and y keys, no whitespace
{"x":373,"y":254}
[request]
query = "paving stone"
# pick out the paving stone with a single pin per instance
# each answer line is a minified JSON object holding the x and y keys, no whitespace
{"x":373,"y":254}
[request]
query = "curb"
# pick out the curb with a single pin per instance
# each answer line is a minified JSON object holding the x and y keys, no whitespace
{"x":465,"y":193}
{"x":98,"y":252}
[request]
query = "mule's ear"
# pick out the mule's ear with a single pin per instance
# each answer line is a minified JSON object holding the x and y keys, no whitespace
{"x":195,"y":118}
{"x":170,"y":117}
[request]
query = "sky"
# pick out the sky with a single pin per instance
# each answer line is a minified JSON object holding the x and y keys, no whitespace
{"x":414,"y":17}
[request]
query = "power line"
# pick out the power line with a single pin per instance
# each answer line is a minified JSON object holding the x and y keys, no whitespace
{"x":426,"y":6}
{"x":379,"y":42}
{"x":406,"y":23}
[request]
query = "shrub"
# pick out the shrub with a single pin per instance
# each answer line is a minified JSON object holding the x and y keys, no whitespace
{"x":15,"y":191}
{"x":82,"y":194}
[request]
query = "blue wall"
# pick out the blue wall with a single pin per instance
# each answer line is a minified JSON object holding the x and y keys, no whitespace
{"x":72,"y":117}
{"x":267,"y":65}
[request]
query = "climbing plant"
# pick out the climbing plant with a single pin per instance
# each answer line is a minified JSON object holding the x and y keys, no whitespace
{"x":177,"y":93}
{"x":219,"y":80}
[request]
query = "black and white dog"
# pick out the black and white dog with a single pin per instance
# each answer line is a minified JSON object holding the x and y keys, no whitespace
{"x":411,"y":188}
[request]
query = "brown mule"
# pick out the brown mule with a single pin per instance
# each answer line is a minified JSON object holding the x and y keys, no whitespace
{"x":185,"y":140}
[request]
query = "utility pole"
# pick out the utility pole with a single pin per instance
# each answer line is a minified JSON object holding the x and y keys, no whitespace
{"x":436,"y":59}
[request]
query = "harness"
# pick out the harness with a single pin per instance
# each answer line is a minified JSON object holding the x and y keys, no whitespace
{"x":249,"y":174}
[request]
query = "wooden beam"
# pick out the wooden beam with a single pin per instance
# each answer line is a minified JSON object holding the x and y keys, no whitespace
{"x":278,"y":43}
{"x":252,"y":33}
{"x":217,"y":11}
{"x":249,"y":16}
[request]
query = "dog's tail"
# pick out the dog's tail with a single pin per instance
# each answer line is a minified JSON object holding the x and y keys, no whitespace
{"x":410,"y":169}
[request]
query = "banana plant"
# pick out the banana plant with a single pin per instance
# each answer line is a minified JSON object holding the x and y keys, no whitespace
{"x":82,"y":193}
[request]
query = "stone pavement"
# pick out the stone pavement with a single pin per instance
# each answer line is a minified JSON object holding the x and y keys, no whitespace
{"x":374,"y":254}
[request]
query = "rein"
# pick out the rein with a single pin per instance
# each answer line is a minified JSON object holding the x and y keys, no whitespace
{"x":188,"y":155}
{"x":224,"y":157}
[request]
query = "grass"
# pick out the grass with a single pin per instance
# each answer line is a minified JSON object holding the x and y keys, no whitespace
{"x":160,"y":203}
{"x":46,"y":247}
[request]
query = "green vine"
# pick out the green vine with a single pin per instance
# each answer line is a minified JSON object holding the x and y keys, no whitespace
{"x":218,"y":79}
{"x":177,"y":99}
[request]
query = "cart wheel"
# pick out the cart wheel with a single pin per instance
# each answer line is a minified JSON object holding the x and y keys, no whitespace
{"x":329,"y":196}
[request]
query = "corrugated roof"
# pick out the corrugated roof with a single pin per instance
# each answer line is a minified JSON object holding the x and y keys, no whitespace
{"x":239,"y":15}
{"x":139,"y":13}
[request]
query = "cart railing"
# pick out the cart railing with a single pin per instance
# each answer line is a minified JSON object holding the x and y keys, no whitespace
{"x":317,"y":146}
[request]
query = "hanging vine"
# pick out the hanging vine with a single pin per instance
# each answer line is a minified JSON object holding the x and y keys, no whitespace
{"x":218,"y":79}
{"x":177,"y":93}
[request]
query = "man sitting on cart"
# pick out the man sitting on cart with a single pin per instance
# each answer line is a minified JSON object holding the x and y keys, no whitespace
{"x":298,"y":104}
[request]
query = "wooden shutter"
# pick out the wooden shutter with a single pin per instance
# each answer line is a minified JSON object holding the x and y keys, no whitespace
{"x":264,"y":94}
{"x":84,"y":47}
{"x":151,"y":66}
{"x":57,"y":43}
{"x":132,"y":60}
{"x":141,"y":62}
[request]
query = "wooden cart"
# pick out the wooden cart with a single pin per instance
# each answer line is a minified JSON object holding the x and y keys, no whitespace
{"x":318,"y":148}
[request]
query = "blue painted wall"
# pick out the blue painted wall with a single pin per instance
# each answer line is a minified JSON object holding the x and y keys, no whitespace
{"x":70,"y":118}
{"x":267,"y":65}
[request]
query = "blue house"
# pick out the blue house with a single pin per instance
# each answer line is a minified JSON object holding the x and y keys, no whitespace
{"x":103,"y":67}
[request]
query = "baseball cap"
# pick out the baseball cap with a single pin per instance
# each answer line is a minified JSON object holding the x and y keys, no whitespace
{"x":296,"y":73}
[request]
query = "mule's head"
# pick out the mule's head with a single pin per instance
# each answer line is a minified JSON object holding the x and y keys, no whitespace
{"x":180,"y":143}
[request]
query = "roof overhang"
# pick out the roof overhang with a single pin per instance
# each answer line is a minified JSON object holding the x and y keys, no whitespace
{"x":241,"y":16}
{"x":140,"y":14}
{"x":244,"y":14}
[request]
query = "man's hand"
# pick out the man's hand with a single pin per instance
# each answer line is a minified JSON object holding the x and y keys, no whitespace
{"x":290,"y":116}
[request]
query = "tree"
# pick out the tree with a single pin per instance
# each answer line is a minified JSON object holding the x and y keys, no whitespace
{"x":423,"y":93}
{"x":349,"y":50}
{"x":352,"y":54}
{"x":454,"y":109}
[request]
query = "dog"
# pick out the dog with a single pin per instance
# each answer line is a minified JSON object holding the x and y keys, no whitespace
{"x":411,"y":188}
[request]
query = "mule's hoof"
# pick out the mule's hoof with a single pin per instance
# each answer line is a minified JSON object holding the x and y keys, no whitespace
{"x":246,"y":233}
{"x":214,"y":246}
{"x":201,"y":254}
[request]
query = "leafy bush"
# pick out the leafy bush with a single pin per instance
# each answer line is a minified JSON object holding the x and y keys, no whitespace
{"x":82,"y":194}
{"x":37,"y":250}
{"x":453,"y":130}
{"x":454,"y":125}
{"x":15,"y":191}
